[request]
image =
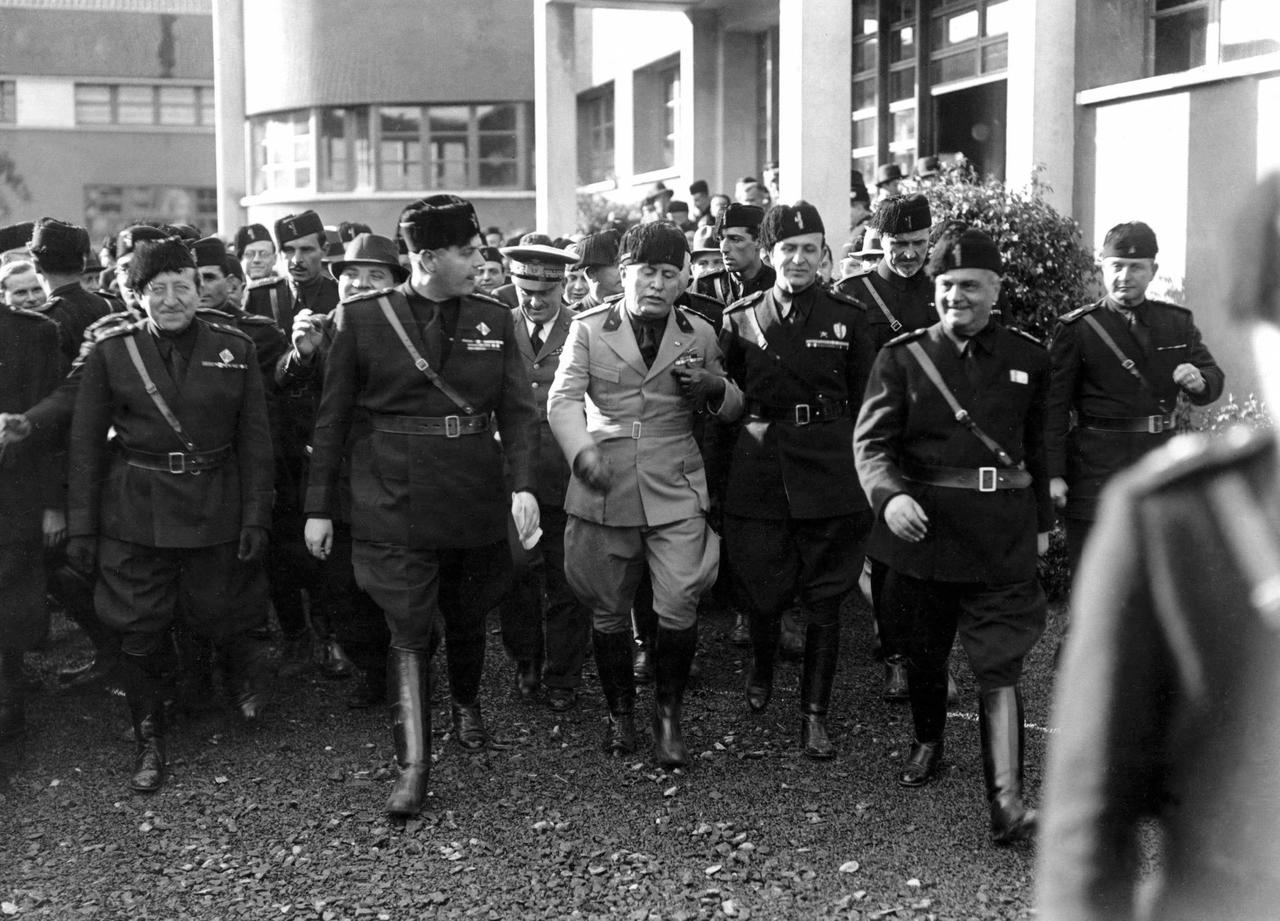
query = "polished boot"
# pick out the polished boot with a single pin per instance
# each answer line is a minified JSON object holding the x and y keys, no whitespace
{"x":334,"y":661}
{"x":13,"y":715}
{"x":928,"y":694}
{"x":791,"y":637}
{"x":142,"y":693}
{"x":895,"y":679}
{"x":642,"y":663}
{"x":740,"y":632}
{"x":764,"y":648}
{"x":408,"y":673}
{"x":468,"y":726}
{"x":246,"y":660}
{"x":613,"y":662}
{"x":821,"y":651}
{"x":1000,"y":724}
{"x":673,"y":654}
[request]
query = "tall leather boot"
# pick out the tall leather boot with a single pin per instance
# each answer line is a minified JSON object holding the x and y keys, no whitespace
{"x":765,"y":628}
{"x":139,"y":674}
{"x":613,"y":662}
{"x":1000,"y":723}
{"x":74,"y":591}
{"x":246,"y":659}
{"x":464,"y":656}
{"x":928,"y":692}
{"x":821,"y":651}
{"x":673,"y":654}
{"x":13,"y":712}
{"x":408,"y":675}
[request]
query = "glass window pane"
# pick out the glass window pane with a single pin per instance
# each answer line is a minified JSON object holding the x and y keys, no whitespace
{"x":995,"y":57}
{"x":954,"y":67}
{"x":902,"y":84}
{"x":864,"y":56}
{"x":904,"y":127}
{"x":1248,"y":29}
{"x":955,"y":28}
{"x":997,"y":18}
{"x":866,"y":17}
{"x":206,"y":105}
{"x":496,"y":117}
{"x":1173,"y":4}
{"x":448,"y":118}
{"x":902,"y":10}
{"x":335,"y":151}
{"x":497,"y":146}
{"x":93,"y":104}
{"x":497,"y":175}
{"x":864,"y":132}
{"x":866,"y":166}
{"x":864,"y":93}
{"x":902,"y":44}
{"x":7,"y":101}
{"x":178,"y":105}
{"x":1180,"y":41}
{"x":135,"y":105}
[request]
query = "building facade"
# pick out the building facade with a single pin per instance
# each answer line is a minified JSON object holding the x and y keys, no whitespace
{"x":107,"y":112}
{"x":355,"y":108}
{"x":1159,"y":110}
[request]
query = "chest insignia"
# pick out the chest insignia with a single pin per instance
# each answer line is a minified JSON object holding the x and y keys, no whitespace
{"x":826,"y":343}
{"x":840,"y":330}
{"x":482,"y":328}
{"x":225,"y":355}
{"x":1018,"y":377}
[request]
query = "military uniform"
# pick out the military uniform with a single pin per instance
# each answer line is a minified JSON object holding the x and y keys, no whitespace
{"x":75,"y":309}
{"x":1165,"y":705}
{"x":894,"y":304}
{"x":728,"y":287}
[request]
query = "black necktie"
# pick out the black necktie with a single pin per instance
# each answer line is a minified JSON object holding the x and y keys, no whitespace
{"x":536,"y":338}
{"x":648,"y":344}
{"x":1138,"y":329}
{"x":174,"y":363}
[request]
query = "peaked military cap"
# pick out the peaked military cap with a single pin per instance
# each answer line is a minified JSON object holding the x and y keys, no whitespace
{"x":252,"y":233}
{"x":438,"y":222}
{"x":902,"y":214}
{"x":783,"y":221}
{"x":657,"y":243}
{"x":1133,"y":240}
{"x":292,"y":226}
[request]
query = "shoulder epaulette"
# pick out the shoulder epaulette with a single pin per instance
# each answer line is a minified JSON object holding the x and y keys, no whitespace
{"x":592,"y":311}
{"x":907,"y":336}
{"x":253,"y":319}
{"x":837,"y":295}
{"x":214,"y":315}
{"x":1191,"y":455}
{"x":1072,"y":316}
{"x":744,"y":301}
{"x":691,"y":311}
{"x":1025,"y":335}
{"x":268,"y":282}
{"x":30,"y":314}
{"x":367,"y":295}
{"x":489,"y":299}
{"x":225,"y":328}
{"x":112,"y":325}
{"x":1168,"y":306}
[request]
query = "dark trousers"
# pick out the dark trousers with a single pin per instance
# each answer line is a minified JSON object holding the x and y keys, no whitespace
{"x":1077,"y":533}
{"x":774,"y":560}
{"x":425,"y":593}
{"x":542,"y":619}
{"x":356,"y":619}
{"x":23,"y":617}
{"x":997,"y":625}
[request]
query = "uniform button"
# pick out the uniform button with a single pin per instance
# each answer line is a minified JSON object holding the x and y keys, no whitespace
{"x":537,"y":364}
{"x":535,"y":385}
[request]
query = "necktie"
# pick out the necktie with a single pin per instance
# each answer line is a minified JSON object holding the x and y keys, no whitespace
{"x":174,"y":363}
{"x":648,"y":344}
{"x":536,"y":338}
{"x":1138,"y":329}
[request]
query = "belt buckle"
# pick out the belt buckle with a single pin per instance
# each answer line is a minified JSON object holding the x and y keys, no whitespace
{"x":1155,"y":425}
{"x":635,"y":429}
{"x":452,"y":426}
{"x":802,"y":414}
{"x":987,"y":479}
{"x":177,"y":462}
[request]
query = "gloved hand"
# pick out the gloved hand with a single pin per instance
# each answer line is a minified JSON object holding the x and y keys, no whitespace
{"x":253,"y":544}
{"x":591,"y":467}
{"x":699,"y":384}
{"x":82,"y":554}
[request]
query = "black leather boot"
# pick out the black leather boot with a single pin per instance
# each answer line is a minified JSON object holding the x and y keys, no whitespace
{"x":928,"y":692}
{"x":408,"y":674}
{"x":468,"y":726}
{"x":821,"y":651}
{"x":895,"y":679}
{"x":613,"y":662}
{"x":139,"y":674}
{"x":1000,"y":723}
{"x":673,"y":654}
{"x":13,"y":712}
{"x":464,"y":657}
{"x":765,"y":628}
{"x":246,"y":660}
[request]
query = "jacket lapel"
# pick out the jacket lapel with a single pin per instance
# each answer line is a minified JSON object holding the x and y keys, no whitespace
{"x":523,"y":342}
{"x":557,"y":331}
{"x":426,"y":341}
{"x":673,"y":343}
{"x":616,"y":333}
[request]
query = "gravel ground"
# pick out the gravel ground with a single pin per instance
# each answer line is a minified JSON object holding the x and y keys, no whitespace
{"x":285,"y":820}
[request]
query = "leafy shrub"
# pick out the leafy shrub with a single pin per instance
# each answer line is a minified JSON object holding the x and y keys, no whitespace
{"x":1048,"y":268}
{"x":1214,"y":420}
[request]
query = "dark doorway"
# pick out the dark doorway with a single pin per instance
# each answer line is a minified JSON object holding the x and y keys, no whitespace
{"x":972,"y":121}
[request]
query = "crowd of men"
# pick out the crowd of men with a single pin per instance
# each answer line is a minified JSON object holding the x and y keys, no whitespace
{"x":382,"y":439}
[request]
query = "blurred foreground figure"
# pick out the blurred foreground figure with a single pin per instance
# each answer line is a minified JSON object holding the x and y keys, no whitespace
{"x":1169,"y":697}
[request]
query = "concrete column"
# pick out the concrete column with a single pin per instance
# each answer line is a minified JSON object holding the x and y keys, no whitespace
{"x":555,"y":117}
{"x":737,"y":119}
{"x":231,"y":149}
{"x":1040,"y":123}
{"x":700,"y":79}
{"x":815,"y":107}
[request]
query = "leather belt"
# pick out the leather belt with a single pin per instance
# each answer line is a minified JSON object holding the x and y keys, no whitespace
{"x":800,"y":413}
{"x":1151,"y":425}
{"x":655,"y":428}
{"x":983,"y":479}
{"x":447,"y":426}
{"x":177,"y":462}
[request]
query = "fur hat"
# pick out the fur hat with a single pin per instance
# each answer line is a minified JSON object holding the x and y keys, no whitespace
{"x":155,"y":257}
{"x":963,"y":247}
{"x":438,"y":222}
{"x":783,"y":221}
{"x":658,"y":243}
{"x":902,"y":214}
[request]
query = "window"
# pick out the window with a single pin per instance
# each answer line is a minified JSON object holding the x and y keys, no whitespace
{"x":595,"y":135}
{"x":866,"y":40}
{"x":889,"y":83}
{"x":969,"y":40}
{"x":8,"y":102}
{"x":394,"y":148}
{"x":670,"y":96}
{"x":1186,"y":34}
{"x":766,"y":97}
{"x":144,"y":104}
{"x":657,"y":114}
{"x":110,"y":208}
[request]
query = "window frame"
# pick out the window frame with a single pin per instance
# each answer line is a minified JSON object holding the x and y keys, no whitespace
{"x":1213,"y":47}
